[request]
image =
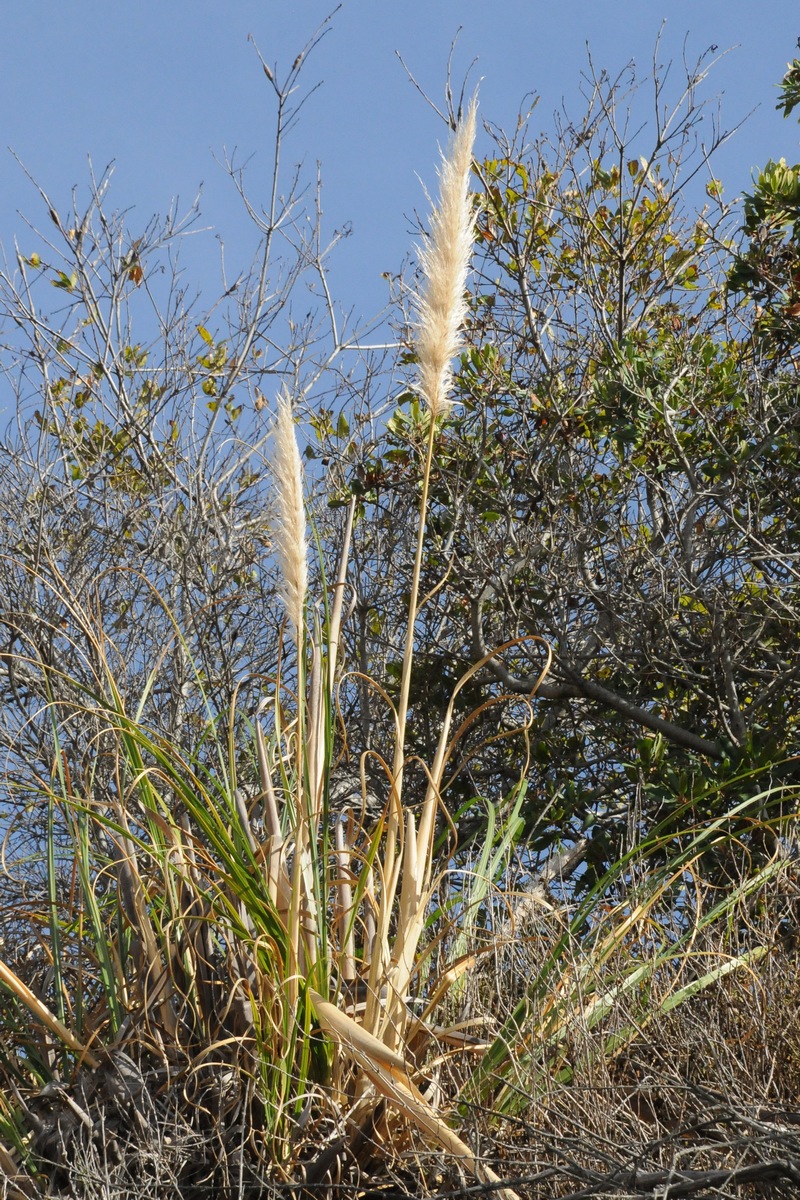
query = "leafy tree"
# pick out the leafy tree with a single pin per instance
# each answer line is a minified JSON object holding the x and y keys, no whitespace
{"x":616,"y":483}
{"x":767,"y":270}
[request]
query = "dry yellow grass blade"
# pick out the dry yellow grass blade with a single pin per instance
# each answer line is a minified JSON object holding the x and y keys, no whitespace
{"x":154,"y":978}
{"x":10,"y":1177}
{"x":388,"y":1072}
{"x":417,"y":881}
{"x":338,"y":599}
{"x":277,"y":878}
{"x":42,"y":1013}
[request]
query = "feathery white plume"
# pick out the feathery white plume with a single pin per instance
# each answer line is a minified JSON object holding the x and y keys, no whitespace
{"x":289,"y":521}
{"x":441,"y":307}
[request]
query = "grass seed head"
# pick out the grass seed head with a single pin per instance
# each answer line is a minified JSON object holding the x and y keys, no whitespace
{"x":289,"y":517}
{"x":441,"y":307}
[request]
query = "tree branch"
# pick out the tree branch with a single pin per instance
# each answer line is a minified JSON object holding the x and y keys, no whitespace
{"x":577,"y":685}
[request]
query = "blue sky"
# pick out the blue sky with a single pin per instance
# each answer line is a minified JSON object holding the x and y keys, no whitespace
{"x":164,"y":88}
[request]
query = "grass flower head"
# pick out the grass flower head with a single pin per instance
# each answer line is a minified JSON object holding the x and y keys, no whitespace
{"x":441,"y":307}
{"x":289,"y":521}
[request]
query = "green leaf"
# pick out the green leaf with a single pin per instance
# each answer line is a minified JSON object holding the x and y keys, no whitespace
{"x":65,"y":281}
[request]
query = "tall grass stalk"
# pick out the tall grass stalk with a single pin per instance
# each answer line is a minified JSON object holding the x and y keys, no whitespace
{"x":441,"y":309}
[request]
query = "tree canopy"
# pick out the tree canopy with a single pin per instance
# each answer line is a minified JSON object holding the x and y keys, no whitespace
{"x":615,"y":486}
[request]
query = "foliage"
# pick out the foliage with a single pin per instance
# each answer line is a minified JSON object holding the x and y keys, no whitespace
{"x":617,"y":481}
{"x":768,"y":270}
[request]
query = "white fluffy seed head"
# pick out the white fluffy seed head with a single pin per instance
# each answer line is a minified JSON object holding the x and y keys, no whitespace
{"x":441,"y":306}
{"x":289,"y":520}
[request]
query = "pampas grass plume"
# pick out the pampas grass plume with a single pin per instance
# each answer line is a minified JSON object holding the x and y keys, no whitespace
{"x":441,"y":307}
{"x":289,"y":522}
